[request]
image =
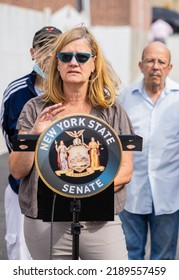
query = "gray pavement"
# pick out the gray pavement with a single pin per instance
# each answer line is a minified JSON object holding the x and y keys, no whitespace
{"x":3,"y":183}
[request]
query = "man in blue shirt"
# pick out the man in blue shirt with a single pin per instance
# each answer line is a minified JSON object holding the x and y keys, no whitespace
{"x":15,"y":96}
{"x":153,"y":193}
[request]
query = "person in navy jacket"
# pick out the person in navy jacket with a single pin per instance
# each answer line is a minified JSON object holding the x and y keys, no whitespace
{"x":15,"y":96}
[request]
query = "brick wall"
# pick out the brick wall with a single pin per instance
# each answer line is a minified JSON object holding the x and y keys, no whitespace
{"x":111,"y":12}
{"x":103,"y":12}
{"x":41,"y":4}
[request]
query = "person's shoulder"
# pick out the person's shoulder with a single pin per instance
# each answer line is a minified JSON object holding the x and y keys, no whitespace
{"x":18,"y":81}
{"x":36,"y":102}
{"x":118,"y":107}
{"x":129,"y":92}
{"x":17,"y":85}
{"x":114,"y":109}
{"x":171,"y":84}
{"x":19,"y":90}
{"x":132,"y":87}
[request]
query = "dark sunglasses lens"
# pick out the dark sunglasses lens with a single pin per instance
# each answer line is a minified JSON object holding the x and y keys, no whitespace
{"x":65,"y":57}
{"x":82,"y":57}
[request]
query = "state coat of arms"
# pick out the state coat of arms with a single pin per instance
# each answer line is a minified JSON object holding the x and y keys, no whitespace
{"x":78,"y":159}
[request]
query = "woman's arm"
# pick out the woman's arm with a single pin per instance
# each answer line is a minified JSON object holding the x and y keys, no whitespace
{"x":125,"y":172}
{"x":21,"y":162}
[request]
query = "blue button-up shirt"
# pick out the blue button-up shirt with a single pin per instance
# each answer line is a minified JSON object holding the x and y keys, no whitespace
{"x":155,"y":179}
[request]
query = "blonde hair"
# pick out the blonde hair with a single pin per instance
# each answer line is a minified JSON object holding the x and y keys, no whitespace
{"x":103,"y":82}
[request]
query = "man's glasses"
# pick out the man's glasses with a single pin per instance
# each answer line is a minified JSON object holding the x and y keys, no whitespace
{"x":80,"y":57}
{"x":151,"y":62}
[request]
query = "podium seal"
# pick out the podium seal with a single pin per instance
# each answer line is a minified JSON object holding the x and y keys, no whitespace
{"x":78,"y":156}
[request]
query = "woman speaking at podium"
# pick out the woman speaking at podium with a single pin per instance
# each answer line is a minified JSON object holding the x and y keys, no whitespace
{"x":79,"y":81}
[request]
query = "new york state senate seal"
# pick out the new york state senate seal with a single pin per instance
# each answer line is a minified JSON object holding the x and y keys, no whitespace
{"x":78,"y":155}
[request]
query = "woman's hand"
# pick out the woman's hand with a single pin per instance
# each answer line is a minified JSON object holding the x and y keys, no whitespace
{"x":21,"y":163}
{"x":46,"y":117}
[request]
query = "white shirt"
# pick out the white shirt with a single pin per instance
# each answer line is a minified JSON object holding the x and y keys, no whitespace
{"x":155,"y":179}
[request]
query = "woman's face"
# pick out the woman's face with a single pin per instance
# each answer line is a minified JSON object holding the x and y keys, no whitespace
{"x":74,"y":72}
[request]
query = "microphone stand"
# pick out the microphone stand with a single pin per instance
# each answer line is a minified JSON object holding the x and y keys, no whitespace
{"x":75,"y":227}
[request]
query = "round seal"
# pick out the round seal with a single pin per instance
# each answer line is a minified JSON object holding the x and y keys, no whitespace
{"x":78,"y":156}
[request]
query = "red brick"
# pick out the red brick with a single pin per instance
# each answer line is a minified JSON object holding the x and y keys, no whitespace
{"x":103,"y":12}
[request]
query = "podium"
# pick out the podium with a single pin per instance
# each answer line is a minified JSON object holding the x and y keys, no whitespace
{"x":77,"y":159}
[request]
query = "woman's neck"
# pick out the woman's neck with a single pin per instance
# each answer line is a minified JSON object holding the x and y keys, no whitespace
{"x":75,"y":99}
{"x":75,"y":91}
{"x":77,"y":106}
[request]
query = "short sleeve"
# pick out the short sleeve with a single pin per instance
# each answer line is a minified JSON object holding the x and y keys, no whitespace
{"x":29,"y":113}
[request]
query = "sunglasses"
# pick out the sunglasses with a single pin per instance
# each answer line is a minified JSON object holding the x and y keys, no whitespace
{"x":80,"y":57}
